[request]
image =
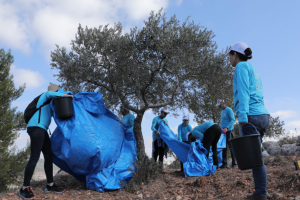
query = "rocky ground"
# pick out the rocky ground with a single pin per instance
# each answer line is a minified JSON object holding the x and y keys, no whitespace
{"x":283,"y":183}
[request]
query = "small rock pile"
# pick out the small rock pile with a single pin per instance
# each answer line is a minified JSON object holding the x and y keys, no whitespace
{"x":275,"y":148}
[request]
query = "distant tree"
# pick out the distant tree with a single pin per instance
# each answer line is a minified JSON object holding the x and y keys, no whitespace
{"x":275,"y":129}
{"x":12,"y":161}
{"x":203,"y":98}
{"x":147,"y":68}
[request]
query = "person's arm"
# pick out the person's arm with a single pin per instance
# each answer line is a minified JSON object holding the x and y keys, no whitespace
{"x":230,"y":115}
{"x":189,"y":128}
{"x":153,"y":125}
{"x":131,"y":122}
{"x":179,"y":133}
{"x":51,"y":95}
{"x":197,"y":134}
{"x":242,"y":79}
{"x":154,"y":122}
{"x":166,"y":122}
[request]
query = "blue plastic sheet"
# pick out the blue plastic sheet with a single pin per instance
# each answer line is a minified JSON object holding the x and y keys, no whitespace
{"x":93,"y":145}
{"x":193,"y":156}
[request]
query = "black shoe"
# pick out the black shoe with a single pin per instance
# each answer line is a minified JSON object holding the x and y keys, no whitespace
{"x":53,"y":188}
{"x":233,"y":167}
{"x":223,"y":167}
{"x":26,"y":194}
{"x":255,"y":196}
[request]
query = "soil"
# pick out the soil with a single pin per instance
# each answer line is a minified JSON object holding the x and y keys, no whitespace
{"x":283,"y":183}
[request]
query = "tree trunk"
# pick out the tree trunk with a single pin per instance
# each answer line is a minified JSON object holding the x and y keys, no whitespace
{"x":137,"y":129}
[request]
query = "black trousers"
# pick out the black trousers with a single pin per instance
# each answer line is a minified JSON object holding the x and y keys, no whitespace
{"x":158,"y":151}
{"x":229,"y":135}
{"x":181,"y":164}
{"x":211,"y":138}
{"x":39,"y":142}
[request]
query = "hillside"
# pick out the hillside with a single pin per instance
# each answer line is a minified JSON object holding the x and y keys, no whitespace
{"x":283,"y":183}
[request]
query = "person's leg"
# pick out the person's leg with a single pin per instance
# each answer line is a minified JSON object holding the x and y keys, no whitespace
{"x":208,"y":138}
{"x":48,"y":164}
{"x":257,"y":124}
{"x":155,"y":153}
{"x":217,"y":133}
{"x":231,"y":135}
{"x":161,"y":152}
{"x":36,"y":144}
{"x":207,"y":141}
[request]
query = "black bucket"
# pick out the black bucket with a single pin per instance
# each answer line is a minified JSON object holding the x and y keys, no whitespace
{"x":63,"y":106}
{"x":247,"y":151}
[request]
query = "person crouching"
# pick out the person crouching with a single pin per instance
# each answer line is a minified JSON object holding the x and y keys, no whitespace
{"x":209,"y":133}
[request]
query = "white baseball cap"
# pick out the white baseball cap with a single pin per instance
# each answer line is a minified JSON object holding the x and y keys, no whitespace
{"x":239,"y":47}
{"x":187,"y":135}
{"x":185,"y":117}
{"x":164,"y":110}
{"x":219,"y":101}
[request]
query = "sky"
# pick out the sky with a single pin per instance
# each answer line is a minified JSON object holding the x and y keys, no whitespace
{"x":32,"y":28}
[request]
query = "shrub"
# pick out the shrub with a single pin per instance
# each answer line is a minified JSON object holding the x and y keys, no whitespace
{"x":287,"y":140}
{"x":146,"y":171}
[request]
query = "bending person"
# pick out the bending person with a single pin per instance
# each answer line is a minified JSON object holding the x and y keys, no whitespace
{"x":40,"y":142}
{"x":159,"y":147}
{"x":227,"y":121}
{"x":249,"y":106}
{"x":183,"y":129}
{"x":209,"y":133}
{"x":128,"y":119}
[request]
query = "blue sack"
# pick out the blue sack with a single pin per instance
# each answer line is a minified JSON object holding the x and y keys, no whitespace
{"x":93,"y":145}
{"x":192,"y":156}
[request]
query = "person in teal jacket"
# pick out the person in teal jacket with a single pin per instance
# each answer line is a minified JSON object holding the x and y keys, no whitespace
{"x":159,"y":147}
{"x":227,"y":121}
{"x":249,"y":106}
{"x":40,"y":142}
{"x":128,"y":118}
{"x":182,"y":130}
{"x":209,"y":134}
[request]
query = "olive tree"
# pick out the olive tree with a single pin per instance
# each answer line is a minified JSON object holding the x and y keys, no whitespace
{"x":217,"y":85}
{"x":146,"y":68}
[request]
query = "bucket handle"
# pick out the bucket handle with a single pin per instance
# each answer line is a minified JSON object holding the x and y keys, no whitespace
{"x":254,"y":127}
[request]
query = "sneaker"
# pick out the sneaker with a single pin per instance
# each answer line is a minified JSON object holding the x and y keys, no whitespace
{"x":233,"y":167}
{"x":223,"y":167}
{"x":53,"y":188}
{"x":255,"y":196}
{"x":26,"y":193}
{"x":218,"y":169}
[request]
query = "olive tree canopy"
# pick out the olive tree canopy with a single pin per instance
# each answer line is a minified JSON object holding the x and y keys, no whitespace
{"x":151,"y":67}
{"x":218,"y":84}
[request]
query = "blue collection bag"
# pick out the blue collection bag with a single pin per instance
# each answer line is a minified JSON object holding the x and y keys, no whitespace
{"x":93,"y":145}
{"x":192,"y":156}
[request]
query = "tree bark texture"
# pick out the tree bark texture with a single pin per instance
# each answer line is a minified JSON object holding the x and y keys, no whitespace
{"x":137,"y":130}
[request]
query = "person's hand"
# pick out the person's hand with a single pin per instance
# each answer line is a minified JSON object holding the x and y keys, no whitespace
{"x":226,"y":129}
{"x":157,"y":133}
{"x":242,"y":124}
{"x":165,"y":122}
{"x":223,"y":131}
{"x":68,"y":95}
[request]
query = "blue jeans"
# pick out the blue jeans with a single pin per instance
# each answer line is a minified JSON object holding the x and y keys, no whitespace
{"x":261,"y":123}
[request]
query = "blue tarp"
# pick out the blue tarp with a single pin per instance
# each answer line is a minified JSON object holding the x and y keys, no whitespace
{"x":193,"y":156}
{"x":93,"y":145}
